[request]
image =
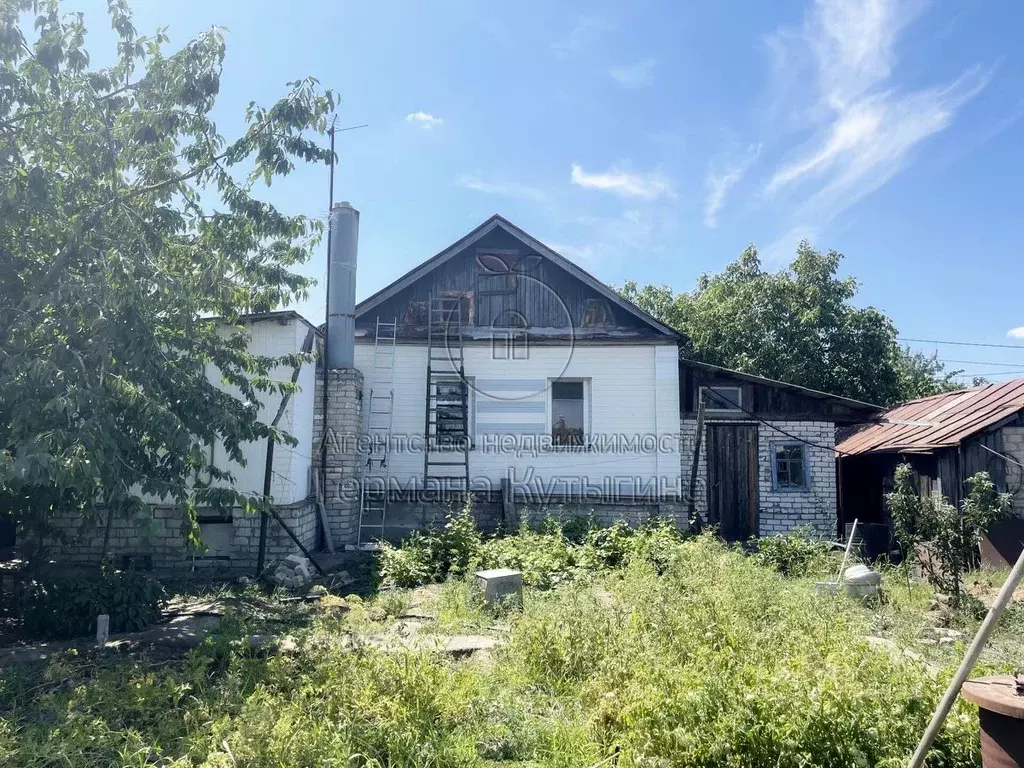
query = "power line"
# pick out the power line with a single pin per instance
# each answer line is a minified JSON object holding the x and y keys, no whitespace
{"x":732,"y":405}
{"x":979,"y":362}
{"x":962,"y":343}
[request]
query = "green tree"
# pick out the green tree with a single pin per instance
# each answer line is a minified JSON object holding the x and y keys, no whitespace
{"x":126,"y":221}
{"x":798,"y":325}
{"x":949,"y":535}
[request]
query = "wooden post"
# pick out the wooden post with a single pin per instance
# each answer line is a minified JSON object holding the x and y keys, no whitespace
{"x":507,"y":510}
{"x":987,"y":627}
{"x":268,"y":467}
{"x":691,"y":512}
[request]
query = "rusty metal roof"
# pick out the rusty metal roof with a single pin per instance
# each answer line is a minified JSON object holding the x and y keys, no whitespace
{"x":940,"y":421}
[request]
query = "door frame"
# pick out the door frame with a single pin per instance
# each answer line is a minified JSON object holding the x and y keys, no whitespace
{"x":753,"y":474}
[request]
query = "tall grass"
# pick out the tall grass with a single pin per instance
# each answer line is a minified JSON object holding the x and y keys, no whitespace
{"x":698,"y":657}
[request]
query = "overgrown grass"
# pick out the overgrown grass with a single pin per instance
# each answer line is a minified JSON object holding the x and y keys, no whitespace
{"x":689,"y":654}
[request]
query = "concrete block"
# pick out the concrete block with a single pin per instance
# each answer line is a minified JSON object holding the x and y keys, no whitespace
{"x":501,"y":585}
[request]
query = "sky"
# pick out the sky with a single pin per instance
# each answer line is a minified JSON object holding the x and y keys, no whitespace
{"x":653,"y":141}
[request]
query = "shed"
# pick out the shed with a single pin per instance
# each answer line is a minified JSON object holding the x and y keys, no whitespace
{"x":946,"y":438}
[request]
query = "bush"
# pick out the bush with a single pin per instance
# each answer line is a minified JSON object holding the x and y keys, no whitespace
{"x":950,"y":535}
{"x":795,"y":554}
{"x":434,"y":554}
{"x":67,"y":606}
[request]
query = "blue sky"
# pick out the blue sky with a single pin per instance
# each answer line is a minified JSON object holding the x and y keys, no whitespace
{"x":654,"y":140}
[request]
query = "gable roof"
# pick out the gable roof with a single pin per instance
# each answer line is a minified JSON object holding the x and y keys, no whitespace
{"x":494,"y":222}
{"x":940,"y":421}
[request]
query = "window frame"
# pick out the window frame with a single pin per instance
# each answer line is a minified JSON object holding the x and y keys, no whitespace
{"x":774,"y":445}
{"x":470,"y":382}
{"x":549,"y":413}
{"x":739,"y":399}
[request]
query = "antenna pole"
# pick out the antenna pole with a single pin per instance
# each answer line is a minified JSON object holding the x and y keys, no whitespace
{"x":327,"y":312}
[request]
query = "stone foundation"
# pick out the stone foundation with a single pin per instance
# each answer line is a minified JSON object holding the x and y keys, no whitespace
{"x":157,"y":543}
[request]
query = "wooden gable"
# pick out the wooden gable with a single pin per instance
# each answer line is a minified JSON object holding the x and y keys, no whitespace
{"x":508,"y":281}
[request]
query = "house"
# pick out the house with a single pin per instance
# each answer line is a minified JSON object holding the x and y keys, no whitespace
{"x":571,"y":399}
{"x":946,"y":439}
{"x":501,"y":367}
{"x":765,"y":451}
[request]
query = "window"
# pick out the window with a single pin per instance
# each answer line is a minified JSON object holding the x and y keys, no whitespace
{"x":722,"y":399}
{"x":789,"y":467}
{"x":597,"y":313}
{"x":568,"y":413}
{"x":450,"y":428}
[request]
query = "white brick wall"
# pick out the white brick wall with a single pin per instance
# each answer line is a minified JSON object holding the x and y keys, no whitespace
{"x":779,"y":511}
{"x":782,"y":511}
{"x":1013,"y":446}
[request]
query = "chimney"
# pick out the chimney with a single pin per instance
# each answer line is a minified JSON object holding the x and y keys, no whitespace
{"x":341,"y":297}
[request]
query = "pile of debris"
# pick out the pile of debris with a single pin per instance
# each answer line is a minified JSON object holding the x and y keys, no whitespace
{"x":294,"y":572}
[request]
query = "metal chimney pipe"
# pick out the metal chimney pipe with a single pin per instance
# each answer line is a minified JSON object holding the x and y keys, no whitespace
{"x":341,"y":299}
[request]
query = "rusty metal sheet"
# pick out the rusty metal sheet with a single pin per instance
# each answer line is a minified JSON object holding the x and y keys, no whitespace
{"x":937,"y":422}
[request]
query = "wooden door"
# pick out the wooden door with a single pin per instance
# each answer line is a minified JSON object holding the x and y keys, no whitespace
{"x":732,"y":480}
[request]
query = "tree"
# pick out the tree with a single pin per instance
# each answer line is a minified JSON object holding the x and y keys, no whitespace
{"x":950,"y":536}
{"x":797,"y":325}
{"x":126,"y":222}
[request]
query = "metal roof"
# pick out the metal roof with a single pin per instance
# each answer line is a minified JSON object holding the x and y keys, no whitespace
{"x":940,"y":421}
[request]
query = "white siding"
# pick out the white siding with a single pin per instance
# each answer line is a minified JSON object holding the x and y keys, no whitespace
{"x":290,"y":482}
{"x":633,"y":417}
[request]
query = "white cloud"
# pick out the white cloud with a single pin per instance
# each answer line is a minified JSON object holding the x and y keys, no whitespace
{"x":625,"y":183}
{"x":866,"y":128}
{"x":636,"y":75}
{"x":425,"y":119}
{"x":1016,"y":333}
{"x":587,"y":31}
{"x":720,"y":181}
{"x":502,"y":188}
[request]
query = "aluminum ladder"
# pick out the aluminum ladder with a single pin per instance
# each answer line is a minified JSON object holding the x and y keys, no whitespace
{"x":446,"y":429}
{"x":380,"y":412}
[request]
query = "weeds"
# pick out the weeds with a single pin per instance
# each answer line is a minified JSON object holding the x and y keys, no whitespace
{"x":683,"y":652}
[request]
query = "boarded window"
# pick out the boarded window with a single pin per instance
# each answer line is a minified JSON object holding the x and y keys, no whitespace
{"x":722,"y":398}
{"x":415,"y":314}
{"x":496,"y":273}
{"x":597,"y":313}
{"x":789,"y":468}
{"x":568,"y":413}
{"x":465,"y":305}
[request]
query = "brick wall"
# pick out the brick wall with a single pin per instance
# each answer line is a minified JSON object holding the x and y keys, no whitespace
{"x":780,"y":511}
{"x":344,"y":425}
{"x":1013,"y":446}
{"x":160,"y":540}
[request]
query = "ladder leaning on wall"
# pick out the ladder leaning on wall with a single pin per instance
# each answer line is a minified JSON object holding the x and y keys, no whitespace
{"x":380,"y":409}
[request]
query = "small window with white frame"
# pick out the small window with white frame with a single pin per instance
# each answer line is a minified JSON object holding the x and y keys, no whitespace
{"x":789,"y":467}
{"x":722,"y":399}
{"x":568,"y":413}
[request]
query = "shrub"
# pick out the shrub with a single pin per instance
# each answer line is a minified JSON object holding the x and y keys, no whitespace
{"x":434,"y":554}
{"x":544,"y":555}
{"x":798,"y":553}
{"x":67,"y":606}
{"x":950,"y":535}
